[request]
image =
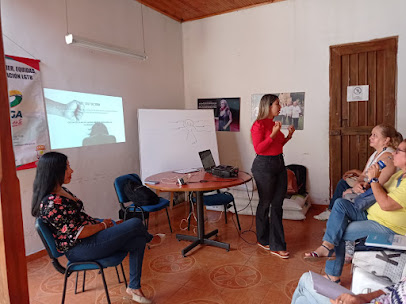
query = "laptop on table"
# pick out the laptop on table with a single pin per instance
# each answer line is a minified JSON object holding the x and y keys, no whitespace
{"x":207,"y":160}
{"x":210,"y":166}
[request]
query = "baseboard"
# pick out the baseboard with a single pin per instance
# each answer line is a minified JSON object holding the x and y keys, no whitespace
{"x":37,"y":255}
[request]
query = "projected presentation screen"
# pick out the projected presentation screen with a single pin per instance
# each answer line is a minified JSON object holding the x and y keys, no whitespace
{"x":81,"y":119}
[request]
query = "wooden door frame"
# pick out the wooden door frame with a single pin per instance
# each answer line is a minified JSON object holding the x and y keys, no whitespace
{"x":335,"y":120}
{"x":13,"y":265}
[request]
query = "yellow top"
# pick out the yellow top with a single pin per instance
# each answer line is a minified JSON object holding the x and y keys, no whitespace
{"x":394,"y":220}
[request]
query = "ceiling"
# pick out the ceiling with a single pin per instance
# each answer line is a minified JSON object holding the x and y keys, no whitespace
{"x":187,"y":10}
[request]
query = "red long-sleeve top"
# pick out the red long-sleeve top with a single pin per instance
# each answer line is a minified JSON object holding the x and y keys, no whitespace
{"x":263,"y":143}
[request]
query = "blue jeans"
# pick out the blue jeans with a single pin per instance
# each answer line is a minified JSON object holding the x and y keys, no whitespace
{"x":305,"y":294}
{"x":347,"y":223}
{"x":338,"y":192}
{"x":129,"y":236}
{"x":271,"y":179}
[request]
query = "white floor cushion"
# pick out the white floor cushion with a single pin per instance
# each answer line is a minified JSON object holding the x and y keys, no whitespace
{"x":365,"y":282}
{"x":299,"y":214}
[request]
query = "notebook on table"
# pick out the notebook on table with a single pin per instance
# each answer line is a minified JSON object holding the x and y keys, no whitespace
{"x":394,"y":241}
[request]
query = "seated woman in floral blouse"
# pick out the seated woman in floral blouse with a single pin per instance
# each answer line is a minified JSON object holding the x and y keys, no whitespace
{"x":305,"y":294}
{"x":79,"y":236}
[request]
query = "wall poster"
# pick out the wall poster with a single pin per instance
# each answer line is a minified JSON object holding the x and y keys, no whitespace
{"x":292,"y":109}
{"x":226,"y":112}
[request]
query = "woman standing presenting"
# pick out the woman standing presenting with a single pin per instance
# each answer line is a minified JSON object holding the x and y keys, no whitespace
{"x":270,"y":175}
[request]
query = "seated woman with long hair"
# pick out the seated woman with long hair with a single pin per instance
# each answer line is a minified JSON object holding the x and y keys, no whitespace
{"x":79,"y":236}
{"x":384,"y":139}
{"x":348,"y":223}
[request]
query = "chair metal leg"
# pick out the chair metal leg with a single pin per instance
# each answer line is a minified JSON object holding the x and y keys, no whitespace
{"x":190,"y":215}
{"x":169,"y":220}
{"x":236,"y":215}
{"x":105,"y":286}
{"x":225,"y":212}
{"x":118,"y":276}
{"x":84,"y":280}
{"x":144,"y":220}
{"x":76,"y":283}
{"x":64,"y":286}
{"x":190,"y":210}
{"x":125,"y":279}
{"x":83,"y":283}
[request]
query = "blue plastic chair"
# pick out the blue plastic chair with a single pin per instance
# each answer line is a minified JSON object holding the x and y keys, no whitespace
{"x":217,"y":199}
{"x":119,"y":183}
{"x":50,"y":246}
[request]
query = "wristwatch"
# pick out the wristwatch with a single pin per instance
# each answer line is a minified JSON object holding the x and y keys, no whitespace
{"x":374,"y":180}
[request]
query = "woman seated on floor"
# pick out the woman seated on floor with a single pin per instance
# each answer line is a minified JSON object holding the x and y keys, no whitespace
{"x":305,"y":293}
{"x":348,"y":223}
{"x":384,"y":139}
{"x":79,"y":236}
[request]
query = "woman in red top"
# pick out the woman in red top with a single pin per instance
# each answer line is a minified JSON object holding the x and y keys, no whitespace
{"x":270,"y":175}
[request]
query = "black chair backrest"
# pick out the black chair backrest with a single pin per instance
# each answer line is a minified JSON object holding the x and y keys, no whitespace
{"x":119,"y":184}
{"x":49,"y":243}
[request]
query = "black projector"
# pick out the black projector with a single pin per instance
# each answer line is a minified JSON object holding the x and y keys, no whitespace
{"x":225,"y":171}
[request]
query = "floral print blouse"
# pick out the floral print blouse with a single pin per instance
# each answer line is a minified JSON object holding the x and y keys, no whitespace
{"x":65,"y":218}
{"x":395,"y":294}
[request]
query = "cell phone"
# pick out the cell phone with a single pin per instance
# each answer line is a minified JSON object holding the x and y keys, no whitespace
{"x":152,"y":182}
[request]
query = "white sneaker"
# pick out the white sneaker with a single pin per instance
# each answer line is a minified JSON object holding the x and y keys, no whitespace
{"x":137,"y":298}
{"x":323,"y":216}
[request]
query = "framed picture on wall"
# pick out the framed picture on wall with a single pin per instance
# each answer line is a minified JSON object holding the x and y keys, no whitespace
{"x":292,"y":108}
{"x":226,"y":112}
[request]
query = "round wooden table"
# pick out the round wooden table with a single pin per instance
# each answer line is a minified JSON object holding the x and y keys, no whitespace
{"x":199,"y":182}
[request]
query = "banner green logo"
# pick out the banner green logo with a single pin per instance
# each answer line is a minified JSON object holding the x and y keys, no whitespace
{"x":18,"y":97}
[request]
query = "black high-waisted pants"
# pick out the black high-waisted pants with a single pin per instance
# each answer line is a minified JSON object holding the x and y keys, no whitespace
{"x":271,"y":179}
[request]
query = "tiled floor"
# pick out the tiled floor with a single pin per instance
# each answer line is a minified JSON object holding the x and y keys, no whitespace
{"x":208,"y":275}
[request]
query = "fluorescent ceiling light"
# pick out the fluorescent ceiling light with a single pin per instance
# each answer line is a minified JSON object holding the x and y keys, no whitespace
{"x":98,"y":46}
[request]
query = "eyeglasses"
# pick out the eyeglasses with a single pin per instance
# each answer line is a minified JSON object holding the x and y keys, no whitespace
{"x":399,"y":150}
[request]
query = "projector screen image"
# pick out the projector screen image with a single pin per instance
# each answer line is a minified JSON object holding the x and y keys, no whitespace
{"x":80,"y":119}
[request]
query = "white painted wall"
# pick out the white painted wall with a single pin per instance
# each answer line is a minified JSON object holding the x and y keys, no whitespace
{"x":284,"y":47}
{"x":38,"y":29}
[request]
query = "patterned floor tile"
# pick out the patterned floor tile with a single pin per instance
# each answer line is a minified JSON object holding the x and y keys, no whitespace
{"x":207,"y":275}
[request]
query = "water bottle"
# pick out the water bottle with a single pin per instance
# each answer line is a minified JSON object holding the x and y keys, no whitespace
{"x":381,"y":165}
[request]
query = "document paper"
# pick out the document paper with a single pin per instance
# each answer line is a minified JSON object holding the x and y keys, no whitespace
{"x":326,"y":287}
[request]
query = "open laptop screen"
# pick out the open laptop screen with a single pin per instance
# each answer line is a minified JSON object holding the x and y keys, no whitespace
{"x":207,"y":160}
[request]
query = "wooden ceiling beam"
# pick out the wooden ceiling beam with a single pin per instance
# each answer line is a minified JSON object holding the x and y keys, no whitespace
{"x":188,"y":10}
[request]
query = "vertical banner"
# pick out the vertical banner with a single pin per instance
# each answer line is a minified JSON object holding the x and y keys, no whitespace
{"x":28,"y":124}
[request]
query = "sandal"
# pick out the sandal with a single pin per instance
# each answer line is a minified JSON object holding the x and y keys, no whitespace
{"x":281,"y":254}
{"x":338,"y":281}
{"x":314,"y":255}
{"x":266,"y":247}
